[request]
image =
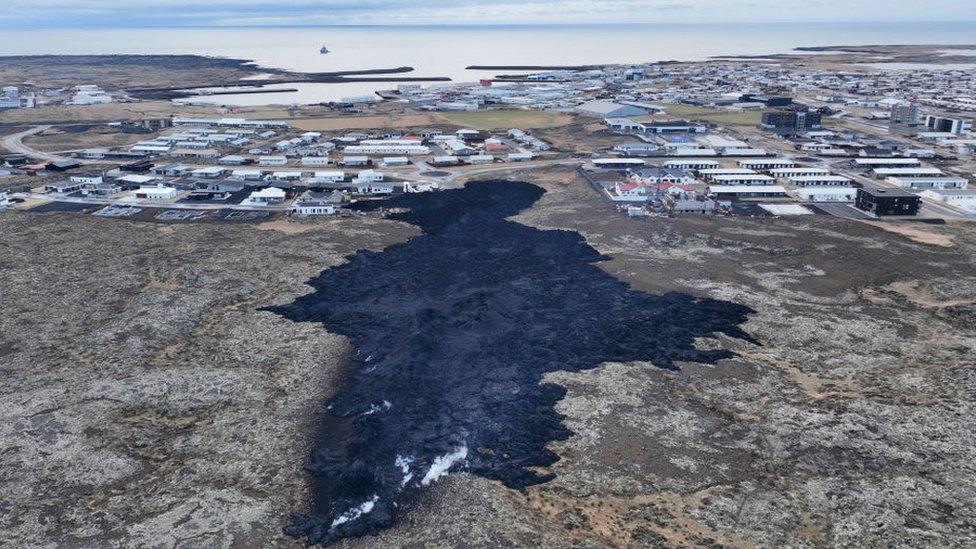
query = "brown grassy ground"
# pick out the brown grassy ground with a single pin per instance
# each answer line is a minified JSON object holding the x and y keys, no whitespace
{"x":116,"y":72}
{"x":57,"y":139}
{"x":367,"y":122}
{"x":489,"y":120}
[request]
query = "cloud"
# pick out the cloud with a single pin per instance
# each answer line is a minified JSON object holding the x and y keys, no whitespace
{"x":34,"y":13}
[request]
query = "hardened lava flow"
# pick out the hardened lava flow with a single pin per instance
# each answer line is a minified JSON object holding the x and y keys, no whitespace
{"x":454,"y":331}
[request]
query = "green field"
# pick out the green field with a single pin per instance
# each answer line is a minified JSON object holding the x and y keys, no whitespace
{"x":714,"y":116}
{"x":489,"y":120}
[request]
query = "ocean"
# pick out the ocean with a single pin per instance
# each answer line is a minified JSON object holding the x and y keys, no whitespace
{"x":446,"y":50}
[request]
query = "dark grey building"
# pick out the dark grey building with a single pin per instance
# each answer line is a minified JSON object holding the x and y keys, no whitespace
{"x":791,"y":122}
{"x":888,"y":201}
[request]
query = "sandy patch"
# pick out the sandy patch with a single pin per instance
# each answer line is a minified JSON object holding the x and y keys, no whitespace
{"x":287,"y":227}
{"x":31,"y":203}
{"x":615,"y":520}
{"x":813,"y":385}
{"x":915,"y":234}
{"x":911,"y":291}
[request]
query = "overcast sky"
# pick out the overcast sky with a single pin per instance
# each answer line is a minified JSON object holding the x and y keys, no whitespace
{"x":123,"y":13}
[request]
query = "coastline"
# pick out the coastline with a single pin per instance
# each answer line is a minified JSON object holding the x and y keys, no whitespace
{"x":207,"y":72}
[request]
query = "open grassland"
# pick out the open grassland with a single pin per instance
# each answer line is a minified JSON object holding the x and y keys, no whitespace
{"x":67,"y":139}
{"x":488,"y":120}
{"x":368,"y":122}
{"x":715,"y":116}
{"x":141,"y":110}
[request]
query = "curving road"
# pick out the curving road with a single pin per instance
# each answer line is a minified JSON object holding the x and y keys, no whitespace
{"x":15,"y":144}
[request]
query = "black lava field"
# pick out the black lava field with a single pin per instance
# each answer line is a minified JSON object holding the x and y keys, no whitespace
{"x":454,"y":330}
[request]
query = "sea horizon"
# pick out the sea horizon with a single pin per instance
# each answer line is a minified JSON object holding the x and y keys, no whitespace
{"x":458,"y":46}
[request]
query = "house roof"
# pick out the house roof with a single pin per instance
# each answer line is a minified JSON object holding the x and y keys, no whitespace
{"x":608,"y":108}
{"x":269,"y":192}
{"x":879,"y":192}
{"x":659,"y":173}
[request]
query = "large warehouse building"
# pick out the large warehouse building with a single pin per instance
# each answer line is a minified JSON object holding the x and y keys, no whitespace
{"x":609,"y":109}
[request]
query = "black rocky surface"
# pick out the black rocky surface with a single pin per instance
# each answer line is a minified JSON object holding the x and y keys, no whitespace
{"x":454,"y":331}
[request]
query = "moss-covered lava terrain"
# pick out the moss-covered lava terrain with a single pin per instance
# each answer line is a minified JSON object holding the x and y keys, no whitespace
{"x":154,"y":397}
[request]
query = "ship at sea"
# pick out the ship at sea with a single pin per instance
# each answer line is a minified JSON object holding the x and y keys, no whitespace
{"x":324,"y":50}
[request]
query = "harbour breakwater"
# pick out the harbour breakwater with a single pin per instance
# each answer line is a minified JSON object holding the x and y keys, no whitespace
{"x":279,"y":77}
{"x":454,"y":330}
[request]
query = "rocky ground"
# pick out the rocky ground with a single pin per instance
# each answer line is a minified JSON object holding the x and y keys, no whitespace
{"x":148,"y":401}
{"x":120,"y":71}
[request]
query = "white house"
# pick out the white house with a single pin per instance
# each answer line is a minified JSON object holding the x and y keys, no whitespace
{"x":246,"y":175}
{"x":617,"y":163}
{"x":329,"y":177}
{"x":315,"y":160}
{"x":692,"y":164}
{"x":410,"y":150}
{"x":309,"y":207}
{"x":152,"y":149}
{"x":381,"y":187}
{"x":395,"y":161}
{"x":312,"y":203}
{"x":637,"y":149}
{"x":797,"y":171}
{"x":767,"y":163}
{"x":156,"y":193}
{"x":232,"y":160}
{"x":820,"y":181}
{"x":826,"y":194}
{"x":136,"y":179}
{"x":272,"y":160}
{"x":964,"y":199}
{"x":630,"y":191}
{"x":656,"y":176}
{"x":865,"y":163}
{"x":266,"y":197}
{"x":369,"y":176}
{"x":355,"y":160}
{"x":86,"y":179}
{"x":732,"y":192}
{"x":683,"y":149}
{"x":937,"y":183}
{"x":744,"y":152}
{"x":445,"y":160}
{"x":883,"y":173}
{"x":709,"y":173}
{"x":209,"y":172}
{"x":743,"y":179}
{"x":285,"y":176}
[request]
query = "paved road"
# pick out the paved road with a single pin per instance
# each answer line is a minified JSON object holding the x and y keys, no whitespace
{"x":843,"y":210}
{"x":15,"y":144}
{"x":163,"y":205}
